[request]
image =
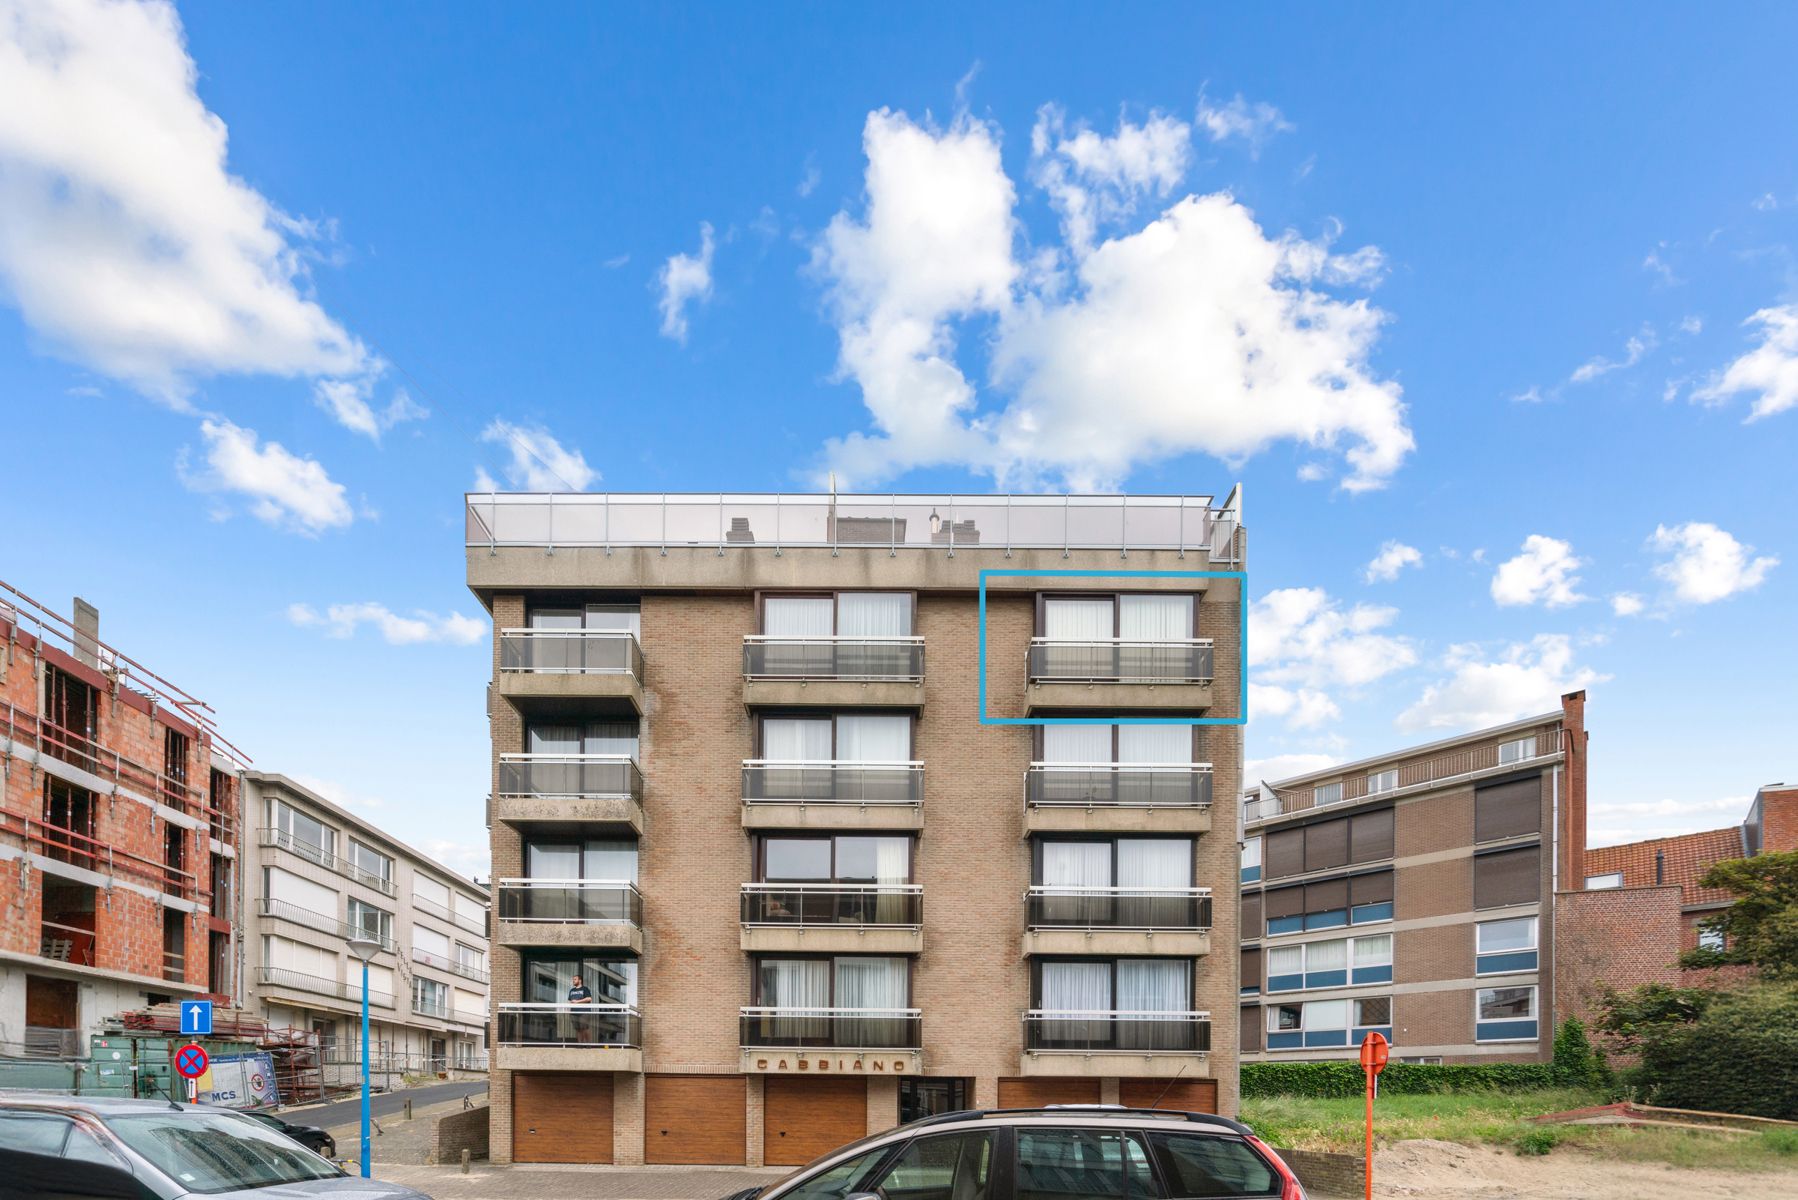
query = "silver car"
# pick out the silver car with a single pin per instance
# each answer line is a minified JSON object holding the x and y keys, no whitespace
{"x":179,"y":1150}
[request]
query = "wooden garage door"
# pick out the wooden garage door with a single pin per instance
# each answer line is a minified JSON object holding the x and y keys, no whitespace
{"x":1186,"y":1095}
{"x":562,"y":1118}
{"x":805,"y":1116}
{"x":694,"y":1119}
{"x":1034,"y":1093}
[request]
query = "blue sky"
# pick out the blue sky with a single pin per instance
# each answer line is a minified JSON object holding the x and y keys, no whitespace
{"x":1512,"y":291}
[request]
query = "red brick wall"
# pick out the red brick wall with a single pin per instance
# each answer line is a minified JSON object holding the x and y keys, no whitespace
{"x":1624,"y":937}
{"x":1779,"y":819}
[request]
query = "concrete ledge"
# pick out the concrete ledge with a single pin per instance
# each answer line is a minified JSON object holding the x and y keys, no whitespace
{"x":609,"y":810}
{"x":1135,"y":943}
{"x":832,"y":1062}
{"x":530,"y":686}
{"x":568,"y":1058}
{"x":1116,"y":818}
{"x":1119,"y":697}
{"x":833,"y":939}
{"x":831,"y":693}
{"x":1122,"y":1063}
{"x":833,"y":816}
{"x":595,"y":935}
{"x":1326,"y":1174}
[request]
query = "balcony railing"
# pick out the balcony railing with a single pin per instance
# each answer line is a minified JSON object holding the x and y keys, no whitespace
{"x":324,"y":858}
{"x":571,"y":901}
{"x":946,"y":523}
{"x":1128,"y":785}
{"x":1050,"y":906}
{"x":1542,"y":743}
{"x":615,"y":1026}
{"x":431,"y":1008}
{"x":571,"y":652}
{"x":470,"y":922}
{"x":837,"y":1028}
{"x":300,"y":981}
{"x":282,"y":910}
{"x":1111,"y":660}
{"x":81,"y":850}
{"x":1134,"y":1032}
{"x":834,"y":905}
{"x":174,"y":966}
{"x":28,"y":728}
{"x":569,"y":776}
{"x":771,"y":781}
{"x":865,"y":659}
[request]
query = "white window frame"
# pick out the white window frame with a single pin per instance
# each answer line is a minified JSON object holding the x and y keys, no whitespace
{"x":1711,"y":936}
{"x":358,"y":844}
{"x":1380,"y":782}
{"x":1517,"y":750}
{"x":1251,"y":852}
{"x":1305,"y":1025}
{"x":1326,"y":794}
{"x":1535,"y":935}
{"x":1535,"y":1013}
{"x":1605,"y":882}
{"x":383,"y":927}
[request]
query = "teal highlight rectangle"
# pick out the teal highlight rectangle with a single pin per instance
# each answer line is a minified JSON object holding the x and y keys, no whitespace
{"x":1242,"y":673}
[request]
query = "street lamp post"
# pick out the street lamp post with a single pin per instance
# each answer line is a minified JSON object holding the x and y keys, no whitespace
{"x":364,"y":947}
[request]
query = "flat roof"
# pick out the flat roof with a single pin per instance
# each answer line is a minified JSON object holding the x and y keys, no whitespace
{"x":1478,"y":735}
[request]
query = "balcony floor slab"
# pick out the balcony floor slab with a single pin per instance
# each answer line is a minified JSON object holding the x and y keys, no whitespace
{"x":1115,"y":818}
{"x":530,"y":689}
{"x":832,"y":939}
{"x":599,"y":810}
{"x":1119,"y":697}
{"x":832,"y":693}
{"x":593,"y":935}
{"x":1132,"y":943}
{"x":832,"y":815}
{"x":1127,"y":1064}
{"x":568,"y":1058}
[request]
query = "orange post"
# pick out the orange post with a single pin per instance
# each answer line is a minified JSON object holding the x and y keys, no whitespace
{"x":1373,"y":1061}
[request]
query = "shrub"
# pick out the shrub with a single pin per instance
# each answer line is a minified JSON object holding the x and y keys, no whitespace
{"x":1740,"y":1055}
{"x":1576,"y":1064}
{"x":1339,"y":1080}
{"x":1537,"y":1139}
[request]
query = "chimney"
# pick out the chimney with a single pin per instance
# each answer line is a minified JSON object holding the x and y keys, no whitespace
{"x":1660,"y":867}
{"x":87,"y":633}
{"x":1572,"y":832}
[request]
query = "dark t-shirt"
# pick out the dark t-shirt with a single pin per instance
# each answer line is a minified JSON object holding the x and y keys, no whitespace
{"x":578,"y":994}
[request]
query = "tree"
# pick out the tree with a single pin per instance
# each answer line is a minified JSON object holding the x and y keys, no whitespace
{"x":1761,"y":927}
{"x":1649,"y":1013}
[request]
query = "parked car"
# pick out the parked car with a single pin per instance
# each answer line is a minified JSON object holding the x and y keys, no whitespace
{"x":1067,"y":1152}
{"x":309,"y":1136}
{"x":181,"y":1150}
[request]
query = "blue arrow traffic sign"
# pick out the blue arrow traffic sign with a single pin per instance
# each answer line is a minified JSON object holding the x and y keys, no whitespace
{"x":196,"y":1017}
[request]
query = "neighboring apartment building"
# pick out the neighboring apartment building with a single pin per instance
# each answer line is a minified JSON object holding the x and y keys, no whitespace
{"x":118,"y":835}
{"x":1413,"y":894}
{"x":744,"y":790}
{"x":316,"y":874}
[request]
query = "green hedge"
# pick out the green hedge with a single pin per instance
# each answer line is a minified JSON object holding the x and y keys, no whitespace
{"x":1334,"y":1080}
{"x":1739,"y":1056}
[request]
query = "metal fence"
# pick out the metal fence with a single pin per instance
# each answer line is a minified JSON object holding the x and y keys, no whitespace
{"x":1054,"y":907}
{"x":568,"y":901}
{"x":833,"y":904}
{"x":871,"y":659}
{"x":772,"y":781}
{"x":596,"y":1025}
{"x":1130,"y":785}
{"x":1054,"y":660}
{"x":571,"y":652}
{"x":838,"y":1028}
{"x":569,"y":776}
{"x":1152,"y":1032}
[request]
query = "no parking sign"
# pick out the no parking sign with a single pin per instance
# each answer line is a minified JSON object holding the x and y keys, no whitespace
{"x":191,"y":1061}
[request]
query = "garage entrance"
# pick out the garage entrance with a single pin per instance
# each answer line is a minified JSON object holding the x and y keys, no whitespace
{"x":562,"y":1118}
{"x":694,"y":1120}
{"x":1186,"y":1095}
{"x":1035,"y":1092}
{"x":804,"y":1116}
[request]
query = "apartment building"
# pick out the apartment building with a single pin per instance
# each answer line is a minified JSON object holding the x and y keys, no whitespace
{"x":772,"y":871}
{"x":118,"y":835}
{"x":318,"y":874}
{"x":1413,"y":894}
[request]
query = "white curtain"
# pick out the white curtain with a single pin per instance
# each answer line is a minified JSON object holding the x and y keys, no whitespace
{"x":552,"y":862}
{"x":1154,"y":743}
{"x":1285,"y":960}
{"x":892,"y":859}
{"x":874,"y":738}
{"x":1155,"y":862}
{"x":874,"y":614}
{"x":1154,"y":618}
{"x":1154,"y":985}
{"x":871,"y":983}
{"x":1326,"y":1014}
{"x":1077,"y":864}
{"x":611,"y":859}
{"x":1077,"y":620}
{"x":1076,"y":987}
{"x":615,"y":616}
{"x":610,"y":737}
{"x":1078,"y":743}
{"x":1373,"y":951}
{"x":1326,"y":956}
{"x":555,"y":739}
{"x":795,"y":983}
{"x":797,"y":616}
{"x":791,"y":739}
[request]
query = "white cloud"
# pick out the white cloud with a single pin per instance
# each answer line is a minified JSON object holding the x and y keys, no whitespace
{"x":1197,"y":332}
{"x":349,"y":403}
{"x":1769,"y":371}
{"x":283,"y":489}
{"x":1634,"y":350}
{"x":127,"y":242}
{"x":1544,"y":573}
{"x":1627,"y":604}
{"x":1237,"y":118}
{"x":1393,"y":557}
{"x":1302,"y":642}
{"x":473,"y":859}
{"x":808,"y":182}
{"x":342,"y":621}
{"x":1093,"y":179}
{"x":1530,"y":395}
{"x":1276,"y":767}
{"x":1523,"y":679}
{"x":337,"y":794}
{"x":537,"y":462}
{"x":685,"y":279}
{"x":1705,"y":564}
{"x":1765,"y":202}
{"x":1300,"y":708}
{"x":1657,"y":266}
{"x":1691,"y":324}
{"x":1610,"y":823}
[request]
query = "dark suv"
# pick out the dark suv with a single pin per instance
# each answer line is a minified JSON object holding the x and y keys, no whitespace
{"x":1060,"y":1153}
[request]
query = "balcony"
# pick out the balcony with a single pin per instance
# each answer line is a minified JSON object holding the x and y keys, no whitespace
{"x":833,"y":918}
{"x":547,"y":669}
{"x":462,"y":920}
{"x":868,"y":1040}
{"x":324,"y":858}
{"x":1123,"y":921}
{"x":1151,"y":1045}
{"x":439,"y":962}
{"x":439,"y":1009}
{"x":833,"y":671}
{"x":282,"y":910}
{"x":832,"y":795}
{"x":1119,"y":675}
{"x":585,"y":913}
{"x":569,"y":1037}
{"x":604,"y":788}
{"x":1117,"y":798}
{"x":282,"y":979}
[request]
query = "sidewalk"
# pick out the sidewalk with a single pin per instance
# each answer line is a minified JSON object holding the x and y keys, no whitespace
{"x":393,"y":1139}
{"x":487,"y":1182}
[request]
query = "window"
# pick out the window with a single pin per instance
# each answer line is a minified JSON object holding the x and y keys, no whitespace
{"x":622,"y":617}
{"x":546,"y":975}
{"x":1329,"y":903}
{"x":1054,"y":1164}
{"x":618,"y":736}
{"x":1507,"y":877}
{"x":611,"y":859}
{"x":1711,"y":936}
{"x":1373,"y":1013}
{"x":1325,"y":845}
{"x":371,"y":865}
{"x":1250,"y":973}
{"x":843,"y":982}
{"x":470,"y":960}
{"x":1504,"y":810}
{"x":1329,"y":793}
{"x":844,"y":1179}
{"x":1506,"y":1014}
{"x":175,"y":746}
{"x":1341,"y":962}
{"x":429,"y":997}
{"x":1382,"y":781}
{"x":1596,"y":883}
{"x":847,"y":615}
{"x":1251,"y":860}
{"x":304,"y":834}
{"x":843,"y":859}
{"x":1501,"y":947}
{"x":1315,"y":1023}
{"x":1134,"y":985}
{"x":846,"y":737}
{"x":1516,"y":750}
{"x":371,"y":921}
{"x":952,"y":1166}
{"x":1213,"y":1166}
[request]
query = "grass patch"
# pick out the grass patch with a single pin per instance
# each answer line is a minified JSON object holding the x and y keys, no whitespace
{"x":1503,"y":1119}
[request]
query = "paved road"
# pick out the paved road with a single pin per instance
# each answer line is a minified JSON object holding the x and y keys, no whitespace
{"x":487,"y":1182}
{"x":344,"y":1112}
